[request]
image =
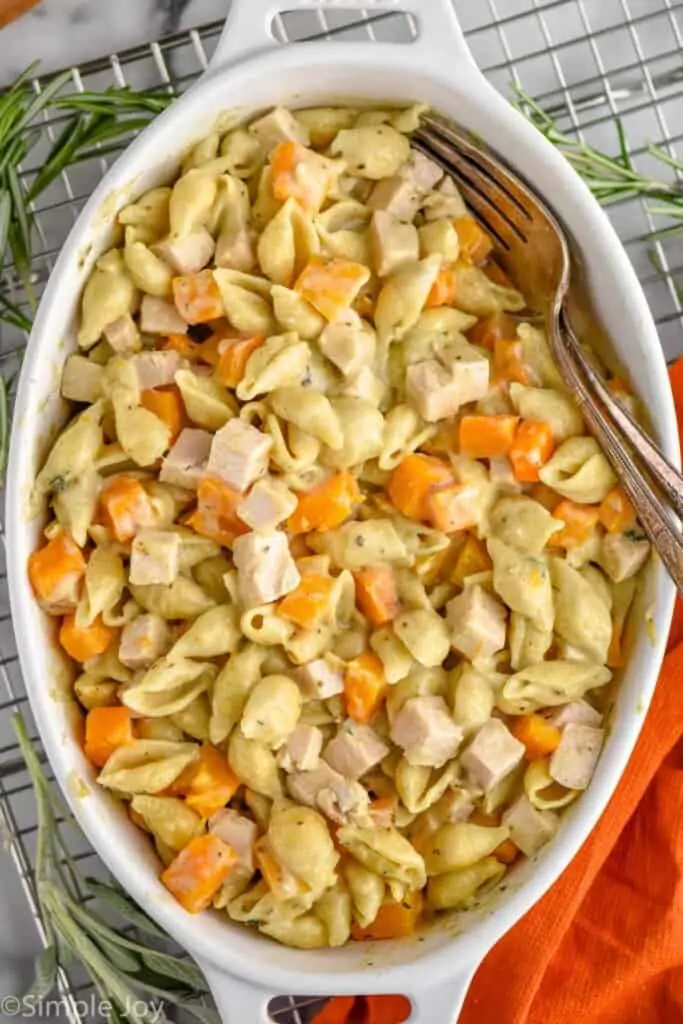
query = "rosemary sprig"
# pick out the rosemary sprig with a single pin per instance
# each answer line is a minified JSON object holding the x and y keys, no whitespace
{"x":610,"y":178}
{"x":136,"y":978}
{"x":94,"y":124}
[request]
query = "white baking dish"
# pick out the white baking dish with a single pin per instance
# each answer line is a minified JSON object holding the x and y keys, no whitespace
{"x":249,"y":72}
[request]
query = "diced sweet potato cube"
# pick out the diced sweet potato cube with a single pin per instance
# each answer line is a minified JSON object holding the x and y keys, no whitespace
{"x":331,"y":286}
{"x":197,"y":297}
{"x":197,"y":873}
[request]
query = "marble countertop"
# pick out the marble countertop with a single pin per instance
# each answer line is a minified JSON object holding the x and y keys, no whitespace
{"x":61,"y":33}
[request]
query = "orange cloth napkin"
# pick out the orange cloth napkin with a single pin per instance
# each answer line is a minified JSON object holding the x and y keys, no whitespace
{"x":605,"y":944}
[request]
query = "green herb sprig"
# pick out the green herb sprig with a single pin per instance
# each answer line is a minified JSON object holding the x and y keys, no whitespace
{"x":611,"y":178}
{"x":133,"y":977}
{"x":94,"y":124}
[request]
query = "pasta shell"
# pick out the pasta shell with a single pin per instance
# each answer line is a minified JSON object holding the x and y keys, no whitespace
{"x":146,"y":766}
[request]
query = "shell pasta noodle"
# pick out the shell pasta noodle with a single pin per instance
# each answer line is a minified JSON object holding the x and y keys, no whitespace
{"x":341,"y":576}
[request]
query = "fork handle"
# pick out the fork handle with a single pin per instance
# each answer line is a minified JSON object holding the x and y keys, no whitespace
{"x":655,"y":517}
{"x":657,"y":465}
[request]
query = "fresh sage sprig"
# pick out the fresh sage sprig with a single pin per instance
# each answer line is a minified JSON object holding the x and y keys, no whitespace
{"x":136,"y":979}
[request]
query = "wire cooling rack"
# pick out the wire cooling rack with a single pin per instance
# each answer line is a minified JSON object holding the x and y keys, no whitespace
{"x":585,"y":61}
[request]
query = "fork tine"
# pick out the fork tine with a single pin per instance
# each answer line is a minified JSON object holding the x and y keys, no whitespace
{"x":492,"y":168}
{"x":507,"y":233}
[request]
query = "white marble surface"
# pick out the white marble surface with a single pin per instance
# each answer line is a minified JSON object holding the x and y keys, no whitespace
{"x":61,"y":33}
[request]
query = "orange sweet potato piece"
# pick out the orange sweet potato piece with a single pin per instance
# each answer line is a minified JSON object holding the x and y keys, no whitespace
{"x":486,"y":437}
{"x":84,"y":642}
{"x":472,"y":558}
{"x":487,"y":331}
{"x":475,"y":244}
{"x":540,"y":737}
{"x":393,"y":920}
{"x":166,"y":403}
{"x":197,"y":297}
{"x":233,"y":356}
{"x":364,"y":687}
{"x":197,"y":873}
{"x":300,"y":173}
{"x":509,"y":363}
{"x":444,"y":290}
{"x":106,"y":729}
{"x":309,"y":604}
{"x":533,"y":445}
{"x":208,"y":784}
{"x":507,"y":852}
{"x":125,"y":507}
{"x":326,"y":506}
{"x":377,"y":594}
{"x":545,"y":496}
{"x":579,"y":520}
{"x":413,"y":480}
{"x":616,"y":513}
{"x":56,"y":571}
{"x":331,"y":285}
{"x":216,"y":514}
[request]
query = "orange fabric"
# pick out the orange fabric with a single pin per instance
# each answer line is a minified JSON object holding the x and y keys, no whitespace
{"x":605,"y":944}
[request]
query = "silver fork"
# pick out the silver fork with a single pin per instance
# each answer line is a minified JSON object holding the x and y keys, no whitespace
{"x":532,"y":248}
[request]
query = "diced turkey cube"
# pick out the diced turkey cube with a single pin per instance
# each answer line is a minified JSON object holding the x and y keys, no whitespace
{"x":301,"y":752}
{"x":457,"y":507}
{"x":81,"y":380}
{"x":366,"y":385}
{"x":492,"y":755}
{"x":322,"y":678}
{"x":186,"y":254}
{"x":476,"y":621}
{"x":266,"y":570}
{"x":574,"y":761}
{"x":342,"y":800}
{"x":123,"y":335}
{"x":154,"y":369}
{"x":278,"y":126}
{"x":187,"y":459}
{"x":530,"y":829}
{"x":577,"y":712}
{"x":426,"y":732}
{"x":393,"y":243}
{"x":345,"y":343}
{"x":355,"y":750}
{"x":143,"y":641}
{"x":267,"y":504}
{"x":235,"y":250}
{"x":154,"y":557}
{"x":396,"y":196}
{"x":238,"y":832}
{"x":622,"y":556}
{"x":160,"y":317}
{"x":438,"y":393}
{"x":501,"y":474}
{"x":423,"y":172}
{"x":239,"y":454}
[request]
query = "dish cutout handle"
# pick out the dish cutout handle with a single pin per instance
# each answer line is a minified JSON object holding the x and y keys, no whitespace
{"x":442,"y":1004}
{"x":239,"y":1002}
{"x":248,"y":27}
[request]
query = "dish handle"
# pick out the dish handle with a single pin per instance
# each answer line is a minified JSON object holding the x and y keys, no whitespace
{"x":247,"y":28}
{"x":240,"y":1002}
